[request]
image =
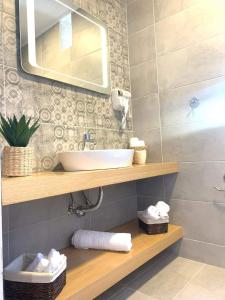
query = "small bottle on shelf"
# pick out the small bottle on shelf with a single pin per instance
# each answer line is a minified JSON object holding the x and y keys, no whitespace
{"x":140,"y":153}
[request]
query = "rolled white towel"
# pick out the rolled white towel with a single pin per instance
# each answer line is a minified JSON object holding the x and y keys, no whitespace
{"x":42,"y":265}
{"x":163,"y":209}
{"x":32,"y":266}
{"x":152,"y":213}
{"x":87,"y":239}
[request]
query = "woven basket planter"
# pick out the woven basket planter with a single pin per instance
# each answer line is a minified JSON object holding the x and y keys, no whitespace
{"x":17,"y":161}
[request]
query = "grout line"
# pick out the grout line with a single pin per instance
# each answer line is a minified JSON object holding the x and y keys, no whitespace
{"x":195,"y":275}
{"x":24,"y":226}
{"x":192,"y":44}
{"x":157,"y":80}
{"x":202,"y":242}
{"x":65,"y":215}
{"x":197,"y":82}
{"x":210,"y":122}
{"x":164,"y":189}
{"x":152,"y":60}
{"x":8,"y":247}
{"x":143,"y":63}
{"x":197,"y":162}
{"x":202,"y":161}
{"x":136,"y":99}
{"x":140,"y":30}
{"x":176,"y":13}
{"x":204,"y":122}
{"x":132,"y":1}
{"x":129,"y":65}
{"x":121,"y":288}
{"x":86,"y":127}
{"x":197,"y":201}
{"x":3,"y":65}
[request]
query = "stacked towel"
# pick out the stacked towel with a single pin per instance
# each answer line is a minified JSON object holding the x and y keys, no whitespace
{"x":49,"y":264}
{"x":87,"y":239}
{"x":159,"y":211}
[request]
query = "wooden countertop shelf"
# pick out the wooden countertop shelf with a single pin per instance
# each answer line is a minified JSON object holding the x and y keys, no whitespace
{"x":91,"y":272}
{"x":40,"y":185}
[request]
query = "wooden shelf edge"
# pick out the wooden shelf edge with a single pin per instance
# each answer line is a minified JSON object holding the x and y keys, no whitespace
{"x":46,"y":184}
{"x":91,"y":272}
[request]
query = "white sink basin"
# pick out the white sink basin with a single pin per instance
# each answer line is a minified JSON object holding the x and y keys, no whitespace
{"x":96,"y":159}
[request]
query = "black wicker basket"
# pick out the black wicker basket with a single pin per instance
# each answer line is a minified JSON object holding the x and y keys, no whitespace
{"x":34,"y":291}
{"x":22,"y":285}
{"x":153,"y":228}
{"x":156,"y":227}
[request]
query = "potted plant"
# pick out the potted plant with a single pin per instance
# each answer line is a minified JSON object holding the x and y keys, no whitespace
{"x":17,"y":157}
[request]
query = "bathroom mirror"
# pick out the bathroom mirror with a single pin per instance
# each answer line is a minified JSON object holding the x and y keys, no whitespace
{"x":60,"y":41}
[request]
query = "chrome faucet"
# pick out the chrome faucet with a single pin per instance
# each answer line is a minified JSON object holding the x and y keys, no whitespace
{"x":87,"y":141}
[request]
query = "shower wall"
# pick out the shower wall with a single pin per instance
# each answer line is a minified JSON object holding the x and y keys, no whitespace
{"x":177,"y":53}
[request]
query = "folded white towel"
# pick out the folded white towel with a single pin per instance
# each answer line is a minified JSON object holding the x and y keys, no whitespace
{"x":163,"y":209}
{"x":148,"y":220}
{"x":87,"y":239}
{"x":55,"y":260}
{"x":32,"y":266}
{"x":48,"y":264}
{"x":152,"y":213}
{"x":159,"y":211}
{"x":42,"y":265}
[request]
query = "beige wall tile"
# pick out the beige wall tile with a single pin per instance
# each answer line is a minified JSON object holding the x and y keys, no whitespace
{"x":196,"y":179}
{"x":144,"y":39}
{"x":201,"y":251}
{"x":202,"y":221}
{"x":143,"y":79}
{"x":193,"y":142}
{"x":203,"y":61}
{"x":175,"y":109}
{"x":190,"y":26}
{"x":139,"y":14}
{"x":146,"y":113}
{"x":165,"y":8}
{"x":191,"y":63}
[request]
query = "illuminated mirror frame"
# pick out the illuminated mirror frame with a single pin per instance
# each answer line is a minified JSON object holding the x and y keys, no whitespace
{"x":30,"y":31}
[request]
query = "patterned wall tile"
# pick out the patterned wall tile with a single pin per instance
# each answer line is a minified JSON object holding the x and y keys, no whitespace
{"x":9,"y":40}
{"x":102,"y":10}
{"x":8,"y":6}
{"x":65,"y":111}
{"x":1,"y":40}
{"x":2,"y":102}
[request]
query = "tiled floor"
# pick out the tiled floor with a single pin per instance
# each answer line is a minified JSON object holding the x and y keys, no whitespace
{"x":171,"y":278}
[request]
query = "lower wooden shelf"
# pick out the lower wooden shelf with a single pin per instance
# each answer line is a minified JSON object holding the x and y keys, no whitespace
{"x":91,"y":272}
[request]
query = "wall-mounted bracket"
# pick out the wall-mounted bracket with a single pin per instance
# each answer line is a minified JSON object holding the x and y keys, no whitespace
{"x":81,"y":210}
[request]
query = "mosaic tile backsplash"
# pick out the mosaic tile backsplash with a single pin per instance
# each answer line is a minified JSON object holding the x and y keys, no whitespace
{"x":65,"y":112}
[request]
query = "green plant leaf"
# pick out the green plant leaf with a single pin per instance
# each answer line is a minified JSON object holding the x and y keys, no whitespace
{"x":17,"y":132}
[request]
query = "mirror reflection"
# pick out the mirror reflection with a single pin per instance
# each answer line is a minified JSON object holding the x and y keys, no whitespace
{"x":62,"y":42}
